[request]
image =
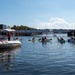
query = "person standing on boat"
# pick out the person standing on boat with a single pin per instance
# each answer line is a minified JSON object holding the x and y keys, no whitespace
{"x":9,"y":36}
{"x":45,"y":38}
{"x":42,"y":39}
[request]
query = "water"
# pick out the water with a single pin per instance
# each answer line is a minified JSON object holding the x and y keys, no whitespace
{"x":35,"y":58}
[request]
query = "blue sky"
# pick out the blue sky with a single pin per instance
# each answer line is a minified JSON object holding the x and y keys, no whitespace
{"x":52,"y":14}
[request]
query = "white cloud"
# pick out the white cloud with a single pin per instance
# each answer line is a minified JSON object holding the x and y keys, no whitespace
{"x":55,"y":23}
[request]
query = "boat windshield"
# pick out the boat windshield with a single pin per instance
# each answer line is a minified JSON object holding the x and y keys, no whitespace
{"x":3,"y":37}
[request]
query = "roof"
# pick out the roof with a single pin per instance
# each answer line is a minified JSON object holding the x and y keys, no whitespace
{"x":9,"y":30}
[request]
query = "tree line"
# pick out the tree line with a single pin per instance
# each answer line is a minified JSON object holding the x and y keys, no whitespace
{"x":21,"y":27}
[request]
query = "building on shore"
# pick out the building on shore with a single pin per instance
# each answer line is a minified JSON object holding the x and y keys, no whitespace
{"x":39,"y":31}
{"x":2,"y":26}
{"x":30,"y":32}
{"x":71,"y":33}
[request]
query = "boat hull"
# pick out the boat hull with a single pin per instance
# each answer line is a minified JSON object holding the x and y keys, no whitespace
{"x":10,"y":44}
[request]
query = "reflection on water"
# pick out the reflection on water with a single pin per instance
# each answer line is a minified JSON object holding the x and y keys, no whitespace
{"x":7,"y":58}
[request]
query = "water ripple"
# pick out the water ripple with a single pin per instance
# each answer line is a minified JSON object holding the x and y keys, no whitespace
{"x":39,"y":59}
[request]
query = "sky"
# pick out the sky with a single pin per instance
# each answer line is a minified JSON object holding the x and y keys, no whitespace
{"x":40,"y":14}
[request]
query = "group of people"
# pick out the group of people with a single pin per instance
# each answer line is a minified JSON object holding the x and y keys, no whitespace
{"x":44,"y":39}
{"x":9,"y":36}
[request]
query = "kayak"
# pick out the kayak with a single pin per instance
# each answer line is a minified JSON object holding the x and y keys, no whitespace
{"x":32,"y":40}
{"x":61,"y":40}
{"x":71,"y":40}
{"x":47,"y":40}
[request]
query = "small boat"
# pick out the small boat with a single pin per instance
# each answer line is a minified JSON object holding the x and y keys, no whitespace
{"x":61,"y":40}
{"x":47,"y":40}
{"x":5,"y":43}
{"x":71,"y":40}
{"x":33,"y":40}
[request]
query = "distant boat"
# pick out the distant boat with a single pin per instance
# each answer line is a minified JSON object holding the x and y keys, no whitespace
{"x":54,"y":35}
{"x":71,"y":40}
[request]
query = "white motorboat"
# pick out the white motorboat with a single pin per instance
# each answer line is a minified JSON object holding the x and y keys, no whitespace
{"x":4,"y":43}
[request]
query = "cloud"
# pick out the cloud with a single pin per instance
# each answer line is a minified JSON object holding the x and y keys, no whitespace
{"x":55,"y":23}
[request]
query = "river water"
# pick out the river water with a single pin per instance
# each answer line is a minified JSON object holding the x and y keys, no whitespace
{"x":37,"y":58}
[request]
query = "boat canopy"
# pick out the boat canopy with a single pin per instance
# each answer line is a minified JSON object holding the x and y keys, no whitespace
{"x":9,"y":30}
